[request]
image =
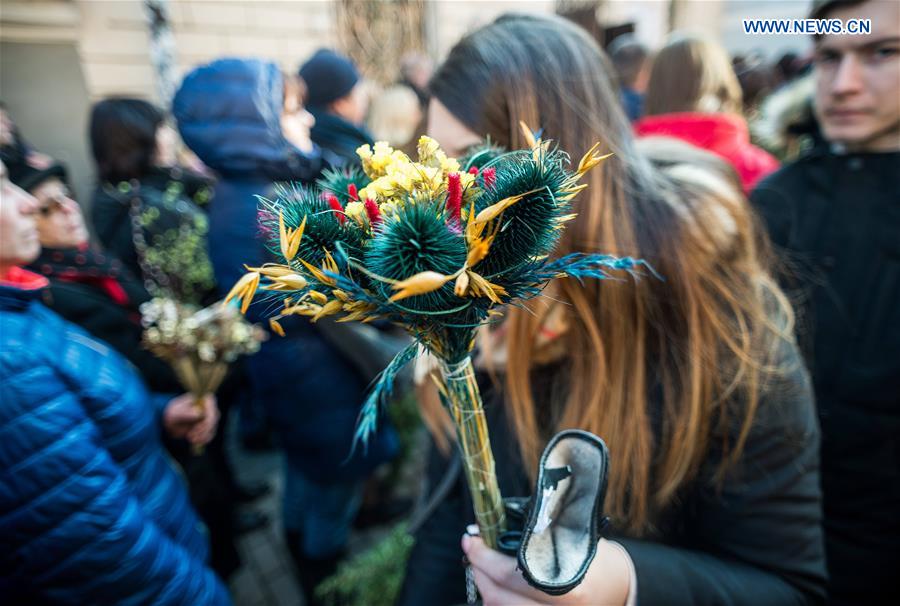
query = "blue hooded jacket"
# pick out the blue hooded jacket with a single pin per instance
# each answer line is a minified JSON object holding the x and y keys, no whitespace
{"x":228,"y":113}
{"x":91,"y":509}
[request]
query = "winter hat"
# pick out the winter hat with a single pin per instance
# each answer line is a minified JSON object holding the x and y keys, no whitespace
{"x":328,"y":76}
{"x":27,"y":172}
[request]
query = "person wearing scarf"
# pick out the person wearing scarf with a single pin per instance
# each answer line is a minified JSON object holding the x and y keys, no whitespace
{"x":87,"y":286}
{"x":95,"y":290}
{"x":95,"y":511}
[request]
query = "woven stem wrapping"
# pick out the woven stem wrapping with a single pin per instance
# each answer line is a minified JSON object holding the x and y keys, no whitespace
{"x":462,"y":398}
{"x":200,"y":379}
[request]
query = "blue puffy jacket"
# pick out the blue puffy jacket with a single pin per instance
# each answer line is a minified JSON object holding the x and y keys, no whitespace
{"x":228,"y":113}
{"x":91,"y":509}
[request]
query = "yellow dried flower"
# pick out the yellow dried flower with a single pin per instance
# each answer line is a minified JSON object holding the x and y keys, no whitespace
{"x":318,"y":297}
{"x":449,"y":165}
{"x":478,"y":250}
{"x":318,"y":274}
{"x":388,"y":208}
{"x":364,"y":152}
{"x":480,"y":287}
{"x":426,"y":148}
{"x":289,"y":282}
{"x":329,"y":309}
{"x":529,"y":135}
{"x":271,"y":270}
{"x":466,"y":180}
{"x":289,"y":239}
{"x":590,"y":160}
{"x":419,"y":284}
{"x":462,"y":284}
{"x":493,"y":211}
{"x":276,"y":327}
{"x":356,"y":211}
{"x":245,"y":289}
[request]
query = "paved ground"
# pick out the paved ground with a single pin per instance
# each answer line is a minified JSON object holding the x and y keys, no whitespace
{"x":266,"y":578}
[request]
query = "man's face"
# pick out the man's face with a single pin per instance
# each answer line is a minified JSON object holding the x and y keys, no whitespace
{"x":858,"y":79}
{"x":7,"y":128}
{"x":353,"y":106}
{"x":19,"y":243}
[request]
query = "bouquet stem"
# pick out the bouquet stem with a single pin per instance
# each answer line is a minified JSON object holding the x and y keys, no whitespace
{"x":198,"y":449}
{"x":463,"y":400}
{"x":198,"y":404}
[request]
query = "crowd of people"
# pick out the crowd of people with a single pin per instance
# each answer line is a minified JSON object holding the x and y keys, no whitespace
{"x":750,"y":400}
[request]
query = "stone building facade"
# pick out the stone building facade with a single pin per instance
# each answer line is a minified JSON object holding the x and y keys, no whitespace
{"x":58,"y":56}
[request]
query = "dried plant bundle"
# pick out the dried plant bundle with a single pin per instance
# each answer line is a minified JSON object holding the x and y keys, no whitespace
{"x":199,"y":345}
{"x":437,"y":246}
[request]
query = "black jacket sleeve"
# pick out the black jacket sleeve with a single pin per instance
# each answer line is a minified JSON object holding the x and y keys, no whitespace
{"x":114,"y":324}
{"x":757,"y":538}
{"x":111,"y":220}
{"x":776,"y":207}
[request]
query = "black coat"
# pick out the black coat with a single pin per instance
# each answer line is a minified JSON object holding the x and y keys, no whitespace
{"x":836,"y":219}
{"x":757,"y":542}
{"x":79,"y":291}
{"x":167,"y":204}
{"x":338,"y":137}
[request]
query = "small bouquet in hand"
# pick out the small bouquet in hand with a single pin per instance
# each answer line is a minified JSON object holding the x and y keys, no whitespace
{"x":437,"y":247}
{"x":199,"y":345}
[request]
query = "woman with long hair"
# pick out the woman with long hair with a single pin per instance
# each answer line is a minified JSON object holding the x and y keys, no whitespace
{"x":87,"y":286}
{"x":694,"y":95}
{"x":693,"y":380}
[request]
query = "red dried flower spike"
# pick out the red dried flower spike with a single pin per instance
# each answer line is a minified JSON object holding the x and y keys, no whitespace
{"x":352,"y":191}
{"x":473,"y":171}
{"x":335,"y":205}
{"x":265,"y":220}
{"x":489,"y":175}
{"x":373,"y":212}
{"x":454,"y":197}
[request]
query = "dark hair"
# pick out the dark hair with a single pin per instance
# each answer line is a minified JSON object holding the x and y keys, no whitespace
{"x":755,"y":77}
{"x":123,"y":137}
{"x":788,"y":66}
{"x":491,"y":80}
{"x":628,"y":56}
{"x":821,"y":8}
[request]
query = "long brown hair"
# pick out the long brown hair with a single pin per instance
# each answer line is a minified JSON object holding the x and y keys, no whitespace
{"x":655,"y":367}
{"x":692,"y":74}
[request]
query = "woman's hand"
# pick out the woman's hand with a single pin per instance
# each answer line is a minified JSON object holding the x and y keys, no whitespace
{"x":182,"y":419}
{"x":606,"y":583}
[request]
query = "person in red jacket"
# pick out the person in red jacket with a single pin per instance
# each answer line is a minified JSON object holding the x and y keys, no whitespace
{"x":694,"y":95}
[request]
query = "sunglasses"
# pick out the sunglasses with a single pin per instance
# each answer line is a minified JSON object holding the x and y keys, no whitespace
{"x":53,"y":203}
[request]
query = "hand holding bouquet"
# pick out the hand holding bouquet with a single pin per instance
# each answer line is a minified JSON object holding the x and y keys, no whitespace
{"x":200,"y":344}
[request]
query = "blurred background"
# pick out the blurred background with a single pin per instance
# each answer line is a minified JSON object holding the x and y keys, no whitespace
{"x":59,"y":56}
